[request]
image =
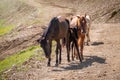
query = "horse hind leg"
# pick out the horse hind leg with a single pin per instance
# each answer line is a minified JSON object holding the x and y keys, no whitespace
{"x":68,"y":52}
{"x":82,"y":52}
{"x":77,"y":48}
{"x":82,"y":45}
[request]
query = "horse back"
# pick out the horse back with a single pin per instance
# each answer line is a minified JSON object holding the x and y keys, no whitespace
{"x":58,"y":28}
{"x":63,"y":26}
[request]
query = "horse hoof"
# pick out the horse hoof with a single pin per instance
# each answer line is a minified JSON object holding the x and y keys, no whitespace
{"x":72,"y":59}
{"x":68,"y":60}
{"x":82,"y":58}
{"x":48,"y":65}
{"x":81,"y":61}
{"x":56,"y":65}
{"x":59,"y":62}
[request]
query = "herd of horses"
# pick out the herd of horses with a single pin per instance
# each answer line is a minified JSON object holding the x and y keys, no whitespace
{"x":69,"y":33}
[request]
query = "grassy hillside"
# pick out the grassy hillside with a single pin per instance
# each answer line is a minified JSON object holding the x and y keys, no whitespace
{"x":38,"y":11}
{"x":19,"y":58}
{"x":13,"y":13}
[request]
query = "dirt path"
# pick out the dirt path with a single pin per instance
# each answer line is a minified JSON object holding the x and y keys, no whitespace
{"x":101,"y":60}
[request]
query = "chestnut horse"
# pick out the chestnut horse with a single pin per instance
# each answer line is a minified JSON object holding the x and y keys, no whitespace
{"x":57,"y":30}
{"x":80,"y":23}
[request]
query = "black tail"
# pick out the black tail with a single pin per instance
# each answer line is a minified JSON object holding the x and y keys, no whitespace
{"x":67,"y":22}
{"x":64,"y":40}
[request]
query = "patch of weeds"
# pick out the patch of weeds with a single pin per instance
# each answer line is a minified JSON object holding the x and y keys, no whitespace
{"x":18,"y":58}
{"x":1,"y":77}
{"x":40,"y":58}
{"x":36,"y":22}
{"x":5,"y":28}
{"x":22,"y":68}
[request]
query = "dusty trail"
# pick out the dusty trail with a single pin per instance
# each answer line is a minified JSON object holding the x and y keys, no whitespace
{"x":101,"y":60}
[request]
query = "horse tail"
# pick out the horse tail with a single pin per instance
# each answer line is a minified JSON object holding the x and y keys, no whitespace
{"x":64,"y":39}
{"x":67,"y":22}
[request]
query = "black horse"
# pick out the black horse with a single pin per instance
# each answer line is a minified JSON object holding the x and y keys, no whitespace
{"x":57,"y":30}
{"x":73,"y":36}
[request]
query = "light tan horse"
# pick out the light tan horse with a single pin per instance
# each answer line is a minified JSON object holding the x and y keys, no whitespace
{"x":80,"y":23}
{"x":88,"y":22}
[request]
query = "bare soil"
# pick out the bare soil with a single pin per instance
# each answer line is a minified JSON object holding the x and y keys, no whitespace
{"x":101,"y":60}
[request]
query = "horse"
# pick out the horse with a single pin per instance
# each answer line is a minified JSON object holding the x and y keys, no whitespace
{"x":73,"y":41}
{"x":79,"y":22}
{"x":88,"y":21}
{"x":57,"y":30}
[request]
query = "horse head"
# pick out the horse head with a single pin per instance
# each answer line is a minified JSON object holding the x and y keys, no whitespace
{"x":44,"y":43}
{"x":81,"y":24}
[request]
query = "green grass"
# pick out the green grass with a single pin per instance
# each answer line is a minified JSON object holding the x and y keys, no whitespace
{"x":5,"y":28}
{"x":18,"y":58}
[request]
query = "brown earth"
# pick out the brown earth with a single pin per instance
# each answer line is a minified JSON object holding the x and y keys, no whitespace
{"x":101,"y":60}
{"x":101,"y":57}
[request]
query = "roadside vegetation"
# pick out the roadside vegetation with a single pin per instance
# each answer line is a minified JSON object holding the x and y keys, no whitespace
{"x":5,"y":28}
{"x":18,"y":58}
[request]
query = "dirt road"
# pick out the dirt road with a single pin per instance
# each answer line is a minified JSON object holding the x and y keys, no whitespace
{"x":101,"y":60}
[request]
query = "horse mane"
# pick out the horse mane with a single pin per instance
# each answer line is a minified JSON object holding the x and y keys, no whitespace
{"x":53,"y":27}
{"x":78,"y":21}
{"x":83,"y":23}
{"x":54,"y":21}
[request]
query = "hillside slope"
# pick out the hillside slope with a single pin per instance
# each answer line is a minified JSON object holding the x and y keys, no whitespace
{"x":31,"y":12}
{"x":27,"y":15}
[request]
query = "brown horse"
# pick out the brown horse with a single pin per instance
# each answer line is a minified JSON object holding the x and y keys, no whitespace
{"x":80,"y":23}
{"x":57,"y":29}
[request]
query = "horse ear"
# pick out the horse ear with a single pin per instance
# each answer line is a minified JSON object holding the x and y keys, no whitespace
{"x":83,"y":19}
{"x":78,"y":16}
